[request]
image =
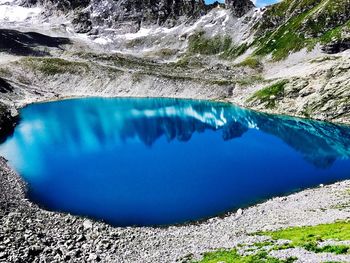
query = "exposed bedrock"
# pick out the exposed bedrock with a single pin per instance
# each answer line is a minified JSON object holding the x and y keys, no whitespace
{"x":8,"y":120}
{"x":239,"y":7}
{"x":128,"y":15}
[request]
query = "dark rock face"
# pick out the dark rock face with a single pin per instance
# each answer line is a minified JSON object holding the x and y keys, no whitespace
{"x":5,"y":87}
{"x":239,"y":7}
{"x":336,"y":46}
{"x":7,"y":122}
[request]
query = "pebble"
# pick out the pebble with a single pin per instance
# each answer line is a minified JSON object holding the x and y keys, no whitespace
{"x":87,"y":224}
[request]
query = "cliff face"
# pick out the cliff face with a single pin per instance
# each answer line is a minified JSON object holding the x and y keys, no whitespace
{"x":128,"y":15}
{"x":7,"y":121}
{"x":239,"y":7}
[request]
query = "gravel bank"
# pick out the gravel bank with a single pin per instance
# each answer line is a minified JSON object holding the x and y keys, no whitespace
{"x":31,"y":234}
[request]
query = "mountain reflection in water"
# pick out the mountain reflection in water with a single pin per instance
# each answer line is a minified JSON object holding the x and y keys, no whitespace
{"x":161,"y":161}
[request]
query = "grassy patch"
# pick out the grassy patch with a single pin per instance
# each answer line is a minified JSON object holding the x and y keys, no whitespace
{"x":269,"y":94}
{"x":188,"y":62}
{"x":251,"y":62}
{"x":250,"y":80}
{"x":232,"y":256}
{"x":54,"y":66}
{"x":263,"y":244}
{"x":308,"y":237}
{"x":222,"y":82}
{"x":163,"y":53}
{"x":293,"y":25}
{"x":217,"y":45}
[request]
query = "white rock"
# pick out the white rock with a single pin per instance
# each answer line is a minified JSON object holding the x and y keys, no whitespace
{"x":87,"y":224}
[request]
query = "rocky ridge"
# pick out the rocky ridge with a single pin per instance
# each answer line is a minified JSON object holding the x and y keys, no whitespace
{"x":127,"y":16}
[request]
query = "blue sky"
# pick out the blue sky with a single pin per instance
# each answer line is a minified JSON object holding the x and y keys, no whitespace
{"x":258,"y":3}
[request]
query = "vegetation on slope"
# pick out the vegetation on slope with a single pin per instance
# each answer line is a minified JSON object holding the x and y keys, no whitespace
{"x":286,"y":27}
{"x":232,"y":256}
{"x":293,"y":25}
{"x":309,"y":237}
{"x":54,"y":66}
{"x":269,"y":94}
{"x":251,"y":62}
{"x":199,"y":43}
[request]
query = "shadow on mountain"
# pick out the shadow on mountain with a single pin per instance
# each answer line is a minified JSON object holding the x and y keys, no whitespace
{"x":5,"y":87}
{"x":30,"y":43}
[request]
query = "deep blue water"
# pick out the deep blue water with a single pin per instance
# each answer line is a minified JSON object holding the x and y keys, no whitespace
{"x":165,"y":161}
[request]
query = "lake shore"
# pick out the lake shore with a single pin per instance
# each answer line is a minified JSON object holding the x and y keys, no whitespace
{"x":29,"y":233}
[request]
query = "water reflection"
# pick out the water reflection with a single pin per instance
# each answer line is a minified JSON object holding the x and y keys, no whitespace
{"x":137,"y":149}
{"x":92,"y":125}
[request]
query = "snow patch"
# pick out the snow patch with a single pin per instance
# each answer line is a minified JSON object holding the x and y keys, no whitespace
{"x":14,"y":13}
{"x":103,"y":41}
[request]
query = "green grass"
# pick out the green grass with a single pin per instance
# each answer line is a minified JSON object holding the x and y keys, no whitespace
{"x":54,"y":66}
{"x":200,"y":44}
{"x":269,"y":94}
{"x":308,"y":237}
{"x":217,"y":45}
{"x":263,"y":244}
{"x":232,"y":256}
{"x":250,"y":80}
{"x":292,"y":25}
{"x":251,"y":62}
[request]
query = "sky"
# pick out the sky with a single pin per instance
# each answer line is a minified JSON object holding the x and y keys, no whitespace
{"x":258,"y":3}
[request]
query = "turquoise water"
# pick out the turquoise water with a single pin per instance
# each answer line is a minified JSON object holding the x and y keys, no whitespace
{"x":166,"y":161}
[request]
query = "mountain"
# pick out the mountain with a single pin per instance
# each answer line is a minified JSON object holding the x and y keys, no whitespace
{"x":291,"y":57}
{"x":130,"y":15}
{"x":292,"y":25}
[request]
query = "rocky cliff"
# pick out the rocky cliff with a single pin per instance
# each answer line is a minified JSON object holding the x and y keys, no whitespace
{"x":127,"y":16}
{"x":239,"y":7}
{"x":8,"y":121}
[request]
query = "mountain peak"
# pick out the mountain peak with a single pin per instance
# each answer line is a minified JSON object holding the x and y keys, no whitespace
{"x":239,"y":7}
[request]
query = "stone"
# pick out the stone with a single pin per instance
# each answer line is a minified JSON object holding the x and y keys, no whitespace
{"x":87,"y":224}
{"x":3,"y":255}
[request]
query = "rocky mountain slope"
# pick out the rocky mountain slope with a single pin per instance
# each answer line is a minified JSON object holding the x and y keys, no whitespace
{"x":288,"y":58}
{"x":128,"y":16}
